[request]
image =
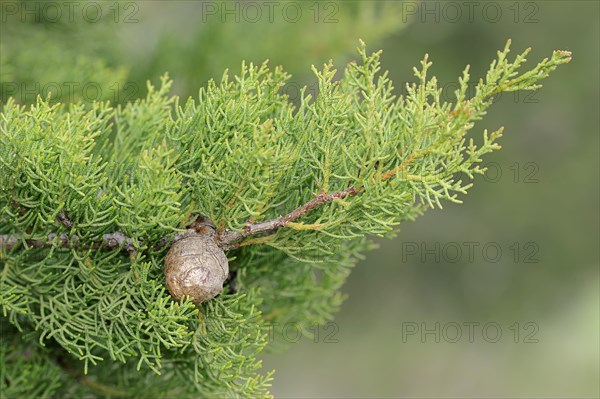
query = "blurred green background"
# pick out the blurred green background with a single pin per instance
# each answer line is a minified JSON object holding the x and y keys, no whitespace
{"x":538,"y":205}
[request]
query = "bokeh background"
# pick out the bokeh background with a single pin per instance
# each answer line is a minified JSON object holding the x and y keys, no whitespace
{"x":498,"y":297}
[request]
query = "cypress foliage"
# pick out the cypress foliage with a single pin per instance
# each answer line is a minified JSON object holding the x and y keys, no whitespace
{"x":81,"y":320}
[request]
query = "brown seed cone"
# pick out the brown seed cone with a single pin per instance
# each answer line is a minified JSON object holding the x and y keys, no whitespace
{"x":196,"y":266}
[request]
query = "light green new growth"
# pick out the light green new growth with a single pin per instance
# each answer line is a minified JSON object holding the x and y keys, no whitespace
{"x":92,"y":321}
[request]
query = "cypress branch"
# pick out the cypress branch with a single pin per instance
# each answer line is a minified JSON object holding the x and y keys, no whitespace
{"x":307,"y":182}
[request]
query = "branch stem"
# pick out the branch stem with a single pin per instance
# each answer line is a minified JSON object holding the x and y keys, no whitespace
{"x":226,"y":239}
{"x":230,"y":239}
{"x":110,"y":241}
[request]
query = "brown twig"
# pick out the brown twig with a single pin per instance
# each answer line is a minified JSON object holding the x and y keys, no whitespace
{"x":64,"y":219}
{"x":110,"y":241}
{"x":230,"y":239}
{"x":226,"y":239}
